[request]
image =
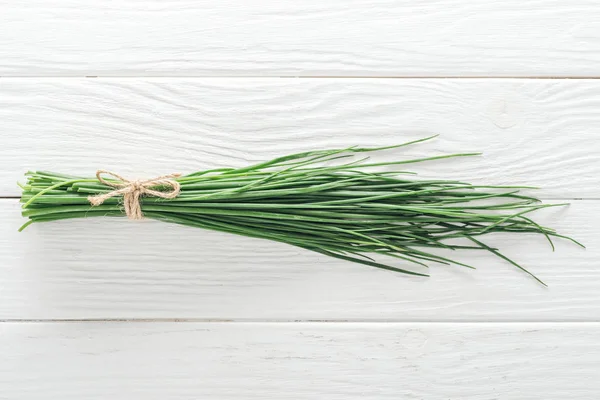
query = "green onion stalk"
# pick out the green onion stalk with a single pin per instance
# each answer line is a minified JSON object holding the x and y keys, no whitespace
{"x":326,"y":201}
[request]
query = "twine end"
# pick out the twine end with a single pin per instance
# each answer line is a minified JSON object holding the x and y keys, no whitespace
{"x":132,"y":191}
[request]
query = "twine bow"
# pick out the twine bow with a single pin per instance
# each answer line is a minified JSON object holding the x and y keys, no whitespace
{"x":133,"y":190}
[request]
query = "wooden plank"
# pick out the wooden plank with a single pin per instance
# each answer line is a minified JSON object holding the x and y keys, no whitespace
{"x":299,"y":361}
{"x":114,"y":268}
{"x":307,"y":38}
{"x":532,"y":132}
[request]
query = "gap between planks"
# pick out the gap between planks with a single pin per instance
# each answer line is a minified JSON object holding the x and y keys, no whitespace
{"x":294,"y":321}
{"x":523,"y":77}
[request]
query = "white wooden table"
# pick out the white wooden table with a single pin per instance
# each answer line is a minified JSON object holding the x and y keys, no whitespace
{"x":99,"y":309}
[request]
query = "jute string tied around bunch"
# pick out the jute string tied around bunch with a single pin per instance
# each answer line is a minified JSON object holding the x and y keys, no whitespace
{"x":132,"y":190}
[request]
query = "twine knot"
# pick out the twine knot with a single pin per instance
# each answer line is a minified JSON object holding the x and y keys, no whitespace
{"x":133,"y":190}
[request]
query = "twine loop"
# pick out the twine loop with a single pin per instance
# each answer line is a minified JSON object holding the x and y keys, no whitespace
{"x":133,"y":190}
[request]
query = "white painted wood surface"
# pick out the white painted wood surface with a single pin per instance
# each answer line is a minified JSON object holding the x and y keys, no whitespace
{"x":299,"y":38}
{"x":532,"y":132}
{"x":300,"y":325}
{"x":299,"y":361}
{"x":113,"y":268}
{"x":541,"y":132}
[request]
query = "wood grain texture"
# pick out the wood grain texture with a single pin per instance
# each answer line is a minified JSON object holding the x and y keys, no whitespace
{"x":381,"y":341}
{"x":532,"y":132}
{"x":299,"y":361}
{"x":114,"y":268}
{"x":307,"y":38}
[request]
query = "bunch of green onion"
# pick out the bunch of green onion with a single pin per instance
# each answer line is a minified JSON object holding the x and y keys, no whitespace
{"x":318,"y":201}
